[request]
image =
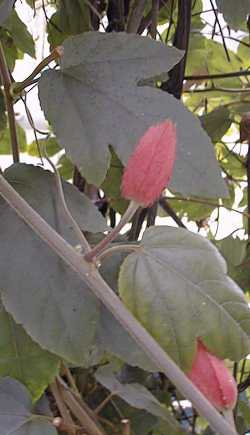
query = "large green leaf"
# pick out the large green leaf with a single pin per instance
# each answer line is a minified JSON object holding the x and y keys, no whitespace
{"x":98,"y":87}
{"x":17,"y":416}
{"x":21,"y":37}
{"x":137,"y":396}
{"x":55,"y":307}
{"x":21,"y":358}
{"x":5,"y":9}
{"x":234,"y":16}
{"x":177,"y":286}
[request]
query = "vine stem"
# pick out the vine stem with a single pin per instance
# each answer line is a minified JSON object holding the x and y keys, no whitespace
{"x":241,"y":73}
{"x":118,"y":248}
{"x":90,"y":275}
{"x":17,"y":88}
{"x":100,"y":247}
{"x":201,"y":201}
{"x":6,"y":80}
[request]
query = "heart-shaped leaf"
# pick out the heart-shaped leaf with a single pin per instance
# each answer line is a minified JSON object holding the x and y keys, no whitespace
{"x":42,"y":292}
{"x":17,"y":416}
{"x":103,"y":105}
{"x":23,"y":359}
{"x":177,"y":286}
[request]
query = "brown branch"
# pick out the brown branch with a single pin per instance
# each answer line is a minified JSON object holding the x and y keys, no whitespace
{"x":17,"y":88}
{"x":135,"y":15}
{"x":212,"y":204}
{"x":170,"y":211}
{"x":243,"y":73}
{"x":221,"y":31}
{"x":6,"y":80}
{"x":82,"y":412}
{"x":181,"y":40}
{"x":154,"y":19}
{"x":55,"y":390}
{"x":146,"y":21}
{"x":219,"y":89}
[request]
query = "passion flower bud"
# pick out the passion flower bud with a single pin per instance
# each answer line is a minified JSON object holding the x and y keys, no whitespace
{"x":150,"y":167}
{"x":210,"y":375}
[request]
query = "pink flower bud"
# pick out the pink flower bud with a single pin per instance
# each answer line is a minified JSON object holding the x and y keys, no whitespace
{"x":150,"y":167}
{"x":210,"y":375}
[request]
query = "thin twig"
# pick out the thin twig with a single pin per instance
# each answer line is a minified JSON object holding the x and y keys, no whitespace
{"x":242,"y":73}
{"x":55,"y":390}
{"x":55,"y":54}
{"x":212,"y":204}
{"x":6,"y":81}
{"x":70,"y":378}
{"x":99,"y":248}
{"x":117,"y":248}
{"x":170,"y":211}
{"x":100,"y":288}
{"x":102,"y":405}
{"x":154,"y":21}
{"x":126,"y":429}
{"x":221,"y":31}
{"x":79,"y":234}
{"x":84,"y":414}
{"x":218,"y":89}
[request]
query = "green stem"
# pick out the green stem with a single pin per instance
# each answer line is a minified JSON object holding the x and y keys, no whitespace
{"x":90,"y":275}
{"x":6,"y":80}
{"x":118,"y":248}
{"x":99,"y":248}
{"x":17,"y":88}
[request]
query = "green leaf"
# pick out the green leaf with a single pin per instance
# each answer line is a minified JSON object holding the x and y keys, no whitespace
{"x":194,"y":211}
{"x":104,"y":106}
{"x":177,"y":287}
{"x":5,"y":9}
{"x":21,"y":37}
{"x":51,"y":144}
{"x":5,"y":141}
{"x":233,"y":250}
{"x":243,"y":52}
{"x":74,"y":17}
{"x":65,"y":167}
{"x":136,"y":395}
{"x":114,"y":339}
{"x":56,"y":309}
{"x":216,"y":123}
{"x":16,"y":414}
{"x":234,"y":16}
{"x":21,"y":358}
{"x":112,"y":185}
{"x":10,"y":50}
{"x":71,"y":18}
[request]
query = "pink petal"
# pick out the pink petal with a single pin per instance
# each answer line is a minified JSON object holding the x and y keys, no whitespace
{"x":213,"y":379}
{"x":150,"y":167}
